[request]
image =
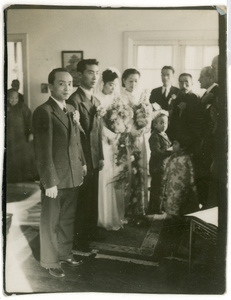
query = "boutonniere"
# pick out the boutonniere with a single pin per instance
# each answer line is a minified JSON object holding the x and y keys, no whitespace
{"x":76,"y":120}
{"x":76,"y":117}
{"x":173,"y":97}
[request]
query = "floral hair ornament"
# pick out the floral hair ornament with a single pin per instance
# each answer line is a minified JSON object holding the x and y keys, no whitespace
{"x":158,"y":113}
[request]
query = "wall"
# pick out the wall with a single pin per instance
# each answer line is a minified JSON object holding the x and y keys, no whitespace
{"x":99,"y":33}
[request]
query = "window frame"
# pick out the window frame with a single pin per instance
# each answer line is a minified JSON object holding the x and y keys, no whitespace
{"x":178,"y":38}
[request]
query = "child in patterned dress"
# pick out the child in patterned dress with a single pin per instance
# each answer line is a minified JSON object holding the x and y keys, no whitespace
{"x":178,"y":197}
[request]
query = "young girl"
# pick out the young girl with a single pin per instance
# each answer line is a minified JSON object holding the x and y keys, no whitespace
{"x":160,"y":149}
{"x":179,"y":195}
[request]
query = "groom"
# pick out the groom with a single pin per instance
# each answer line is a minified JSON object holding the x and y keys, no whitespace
{"x":61,"y":166}
{"x":84,"y":101}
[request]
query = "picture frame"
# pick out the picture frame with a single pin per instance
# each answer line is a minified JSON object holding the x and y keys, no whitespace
{"x":44,"y":88}
{"x":70,"y":60}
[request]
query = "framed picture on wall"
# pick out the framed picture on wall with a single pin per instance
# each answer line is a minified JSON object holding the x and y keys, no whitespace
{"x":69,"y":61}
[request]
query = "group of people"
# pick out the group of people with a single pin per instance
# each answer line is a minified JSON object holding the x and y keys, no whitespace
{"x":96,"y":148}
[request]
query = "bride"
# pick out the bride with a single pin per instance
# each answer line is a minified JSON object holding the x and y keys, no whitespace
{"x":110,"y":200}
{"x":140,"y":132}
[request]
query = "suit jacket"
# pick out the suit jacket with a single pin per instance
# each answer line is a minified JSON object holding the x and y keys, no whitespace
{"x":92,"y":126}
{"x":58,"y":151}
{"x":209,"y":113}
{"x":158,"y":146}
{"x":185,"y":122}
{"x":159,"y":98}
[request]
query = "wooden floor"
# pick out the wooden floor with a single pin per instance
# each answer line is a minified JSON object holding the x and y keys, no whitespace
{"x":101,"y":272}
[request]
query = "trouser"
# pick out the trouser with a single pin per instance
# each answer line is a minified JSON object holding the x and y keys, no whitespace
{"x":56,"y":227}
{"x":154,"y":202}
{"x":87,"y":208}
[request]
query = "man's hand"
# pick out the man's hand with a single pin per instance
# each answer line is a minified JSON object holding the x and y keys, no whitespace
{"x":52,"y":192}
{"x":101,"y":164}
{"x":84,"y":170}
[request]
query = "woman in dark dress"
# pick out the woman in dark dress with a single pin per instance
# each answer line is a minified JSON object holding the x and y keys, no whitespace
{"x":20,"y":165}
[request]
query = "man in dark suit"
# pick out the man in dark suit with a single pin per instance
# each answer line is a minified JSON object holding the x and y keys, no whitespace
{"x":162,"y":97}
{"x":185,"y":119}
{"x":209,"y":113}
{"x":61,"y":166}
{"x":83,"y":100}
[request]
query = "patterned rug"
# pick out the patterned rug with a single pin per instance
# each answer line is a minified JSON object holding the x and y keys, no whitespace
{"x":132,"y":241}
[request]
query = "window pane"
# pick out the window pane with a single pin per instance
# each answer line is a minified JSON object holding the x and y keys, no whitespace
{"x":209,"y":53}
{"x":193,"y":57}
{"x":163,"y":56}
{"x":145,"y":57}
{"x":150,"y":79}
{"x":154,"y":57}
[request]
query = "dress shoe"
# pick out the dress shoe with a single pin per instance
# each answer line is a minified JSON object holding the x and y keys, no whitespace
{"x":71,"y":262}
{"x":56,"y":272}
{"x":82,"y":246}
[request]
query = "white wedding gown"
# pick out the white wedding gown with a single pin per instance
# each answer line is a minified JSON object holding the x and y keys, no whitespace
{"x":110,"y":197}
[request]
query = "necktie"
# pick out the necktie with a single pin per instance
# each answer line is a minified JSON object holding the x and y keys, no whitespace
{"x":65,"y":110}
{"x":165,"y":92}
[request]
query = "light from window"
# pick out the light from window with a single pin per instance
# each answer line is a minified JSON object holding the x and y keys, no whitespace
{"x":15,"y":65}
{"x":196,"y":58}
{"x":150,"y":61}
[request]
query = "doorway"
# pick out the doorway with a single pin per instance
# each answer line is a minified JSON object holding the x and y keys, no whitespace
{"x":17,"y":63}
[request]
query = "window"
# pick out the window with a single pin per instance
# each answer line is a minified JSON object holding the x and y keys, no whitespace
{"x":186,"y":51}
{"x":150,"y":60}
{"x":195,"y":58}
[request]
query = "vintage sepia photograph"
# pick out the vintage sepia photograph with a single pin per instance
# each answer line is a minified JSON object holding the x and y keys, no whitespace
{"x":115,"y":169}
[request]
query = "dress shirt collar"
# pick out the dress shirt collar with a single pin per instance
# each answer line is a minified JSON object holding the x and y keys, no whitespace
{"x":166,"y":89}
{"x":62,"y":105}
{"x":88,"y":93}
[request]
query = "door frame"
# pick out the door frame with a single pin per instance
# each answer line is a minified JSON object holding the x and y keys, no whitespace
{"x":23,"y":38}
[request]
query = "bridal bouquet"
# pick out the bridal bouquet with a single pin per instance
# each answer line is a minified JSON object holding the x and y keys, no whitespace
{"x":142,"y":115}
{"x":142,"y":112}
{"x":118,"y":117}
{"x":100,"y":111}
